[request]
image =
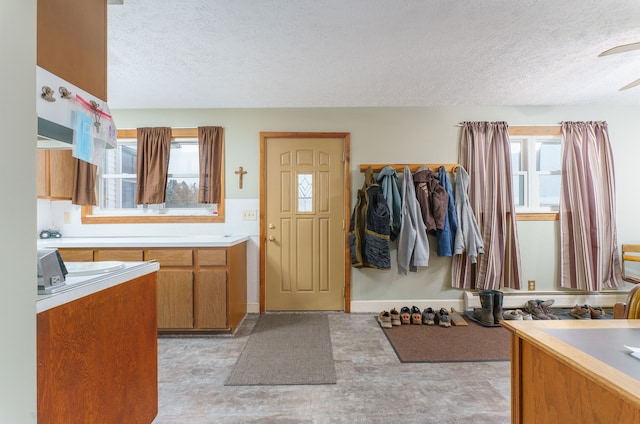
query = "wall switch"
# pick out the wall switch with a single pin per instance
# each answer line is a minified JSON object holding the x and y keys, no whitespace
{"x":532,"y":285}
{"x":67,"y":217}
{"x":249,"y":215}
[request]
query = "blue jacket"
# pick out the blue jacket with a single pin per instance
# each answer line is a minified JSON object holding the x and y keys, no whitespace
{"x":446,"y":236}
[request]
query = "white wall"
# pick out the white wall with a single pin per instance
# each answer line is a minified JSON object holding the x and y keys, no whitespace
{"x":390,"y":135}
{"x":18,"y":212}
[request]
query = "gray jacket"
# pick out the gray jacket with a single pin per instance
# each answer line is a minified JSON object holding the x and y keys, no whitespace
{"x":413,"y":245}
{"x":468,"y":237}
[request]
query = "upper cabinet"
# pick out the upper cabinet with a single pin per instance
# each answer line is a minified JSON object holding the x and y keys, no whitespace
{"x":72,"y":42}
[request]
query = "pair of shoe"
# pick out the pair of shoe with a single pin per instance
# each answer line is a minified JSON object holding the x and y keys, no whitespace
{"x":517,"y":315}
{"x":442,"y":318}
{"x":405,"y":315}
{"x":428,"y":316}
{"x":395,"y":317}
{"x":587,"y":312}
{"x":384,"y":318}
{"x":540,"y":309}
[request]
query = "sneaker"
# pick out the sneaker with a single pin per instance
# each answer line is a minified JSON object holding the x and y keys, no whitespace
{"x":546,"y":308}
{"x":395,"y":317}
{"x":416,"y":315}
{"x":405,"y":315}
{"x":428,"y":316}
{"x":596,"y":312}
{"x":532,"y":307}
{"x":442,"y":318}
{"x":384,"y":318}
{"x":525,"y":316}
{"x":512,"y":315}
{"x":580,"y":312}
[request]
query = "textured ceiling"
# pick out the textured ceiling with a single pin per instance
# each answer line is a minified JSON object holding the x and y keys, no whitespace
{"x":353,"y":53}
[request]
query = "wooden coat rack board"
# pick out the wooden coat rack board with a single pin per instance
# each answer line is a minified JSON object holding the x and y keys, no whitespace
{"x":413,"y":167}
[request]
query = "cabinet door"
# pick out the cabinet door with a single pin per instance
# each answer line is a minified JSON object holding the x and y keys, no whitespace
{"x":175,"y":299}
{"x":76,"y":255}
{"x":130,"y":255}
{"x":43,"y":174}
{"x":62,"y":171}
{"x":72,"y":42}
{"x":212,"y":299}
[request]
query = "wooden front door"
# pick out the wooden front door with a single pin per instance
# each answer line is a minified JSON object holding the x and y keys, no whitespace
{"x":304,"y":222}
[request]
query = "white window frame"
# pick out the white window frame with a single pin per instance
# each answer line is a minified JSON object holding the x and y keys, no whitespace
{"x":531,"y":174}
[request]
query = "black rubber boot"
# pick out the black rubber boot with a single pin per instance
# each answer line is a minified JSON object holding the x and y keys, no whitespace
{"x":497,"y":306}
{"x":485,"y":314}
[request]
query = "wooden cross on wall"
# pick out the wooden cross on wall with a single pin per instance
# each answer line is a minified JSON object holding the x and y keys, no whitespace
{"x":240,"y":172}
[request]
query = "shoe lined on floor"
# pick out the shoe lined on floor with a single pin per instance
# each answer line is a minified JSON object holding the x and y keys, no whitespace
{"x":405,"y":315}
{"x":512,"y":315}
{"x":580,"y":312}
{"x":416,"y":316}
{"x":532,"y":307}
{"x":525,"y":316}
{"x":428,"y":316}
{"x":442,"y":318}
{"x":596,"y":312}
{"x":384,"y":318}
{"x":546,"y":308}
{"x":395,"y":317}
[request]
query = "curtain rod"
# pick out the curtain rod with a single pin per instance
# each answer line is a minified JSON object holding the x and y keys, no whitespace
{"x":524,"y":125}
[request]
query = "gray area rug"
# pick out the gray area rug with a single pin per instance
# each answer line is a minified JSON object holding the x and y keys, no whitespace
{"x":286,"y":348}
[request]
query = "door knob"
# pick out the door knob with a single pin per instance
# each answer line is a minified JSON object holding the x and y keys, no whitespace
{"x":272,"y":238}
{"x":271,"y":226}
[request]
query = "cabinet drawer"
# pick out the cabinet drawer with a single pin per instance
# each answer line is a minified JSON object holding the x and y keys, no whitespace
{"x":119,"y":255}
{"x":212,"y":257}
{"x":76,"y":255}
{"x":171,"y":257}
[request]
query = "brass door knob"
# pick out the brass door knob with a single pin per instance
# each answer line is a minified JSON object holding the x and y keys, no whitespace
{"x":272,"y":238}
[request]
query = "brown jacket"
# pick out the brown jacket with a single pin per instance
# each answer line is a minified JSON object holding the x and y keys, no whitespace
{"x":433,"y":199}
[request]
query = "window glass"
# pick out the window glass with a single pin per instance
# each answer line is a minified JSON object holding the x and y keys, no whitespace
{"x":305,"y":192}
{"x":548,"y":155}
{"x":549,"y":194}
{"x":519,"y":189}
{"x":516,"y":156}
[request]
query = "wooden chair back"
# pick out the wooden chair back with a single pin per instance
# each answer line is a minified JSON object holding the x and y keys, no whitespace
{"x":630,"y":309}
{"x":630,"y":253}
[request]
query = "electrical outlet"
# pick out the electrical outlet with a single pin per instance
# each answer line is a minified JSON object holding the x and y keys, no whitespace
{"x":532,"y":285}
{"x":249,"y":215}
{"x":67,"y":217}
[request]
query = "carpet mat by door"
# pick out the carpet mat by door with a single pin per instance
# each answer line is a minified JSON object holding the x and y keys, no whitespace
{"x":286,"y":348}
{"x":471,"y":343}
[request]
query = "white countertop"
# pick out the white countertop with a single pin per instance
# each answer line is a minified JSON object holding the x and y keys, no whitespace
{"x":81,"y":286}
{"x":160,"y":241}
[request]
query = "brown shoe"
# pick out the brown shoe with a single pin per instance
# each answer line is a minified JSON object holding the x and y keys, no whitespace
{"x":384,"y":318}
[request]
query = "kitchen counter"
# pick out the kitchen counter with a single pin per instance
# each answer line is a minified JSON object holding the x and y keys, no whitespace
{"x":78,"y":287}
{"x":160,"y":241}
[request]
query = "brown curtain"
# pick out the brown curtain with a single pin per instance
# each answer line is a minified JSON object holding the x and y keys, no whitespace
{"x":84,"y":184}
{"x":589,"y":248}
{"x":485,"y":152}
{"x":154,"y":146}
{"x":210,"y":141}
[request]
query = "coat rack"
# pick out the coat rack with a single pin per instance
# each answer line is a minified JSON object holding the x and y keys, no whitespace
{"x":449,"y":167}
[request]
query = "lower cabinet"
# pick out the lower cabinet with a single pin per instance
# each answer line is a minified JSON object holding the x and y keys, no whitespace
{"x":200,"y":289}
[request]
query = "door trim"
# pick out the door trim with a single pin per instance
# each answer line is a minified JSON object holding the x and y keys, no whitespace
{"x":347,"y":209}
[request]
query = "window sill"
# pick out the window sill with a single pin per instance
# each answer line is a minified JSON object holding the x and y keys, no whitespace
{"x":538,"y":216}
{"x":88,"y":218}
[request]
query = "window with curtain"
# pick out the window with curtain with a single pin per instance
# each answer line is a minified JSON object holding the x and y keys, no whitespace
{"x":117,"y":185}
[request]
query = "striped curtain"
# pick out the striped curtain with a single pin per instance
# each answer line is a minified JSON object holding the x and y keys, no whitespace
{"x":589,"y":249}
{"x":485,"y":152}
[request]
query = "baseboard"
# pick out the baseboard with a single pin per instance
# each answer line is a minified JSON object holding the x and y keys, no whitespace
{"x":253,"y":307}
{"x":368,"y":306}
{"x":562,"y":299}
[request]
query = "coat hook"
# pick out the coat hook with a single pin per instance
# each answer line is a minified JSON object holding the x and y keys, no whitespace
{"x":64,"y":93}
{"x":47,"y":94}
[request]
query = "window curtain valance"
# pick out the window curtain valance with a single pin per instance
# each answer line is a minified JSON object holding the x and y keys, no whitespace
{"x":154,"y":147}
{"x":210,"y":142}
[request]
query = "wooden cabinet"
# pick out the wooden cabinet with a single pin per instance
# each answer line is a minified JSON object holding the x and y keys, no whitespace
{"x":201,"y":289}
{"x":72,"y":42}
{"x":97,"y":357}
{"x":56,"y":173}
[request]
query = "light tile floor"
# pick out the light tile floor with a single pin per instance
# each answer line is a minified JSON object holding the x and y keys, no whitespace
{"x":373,"y":386}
